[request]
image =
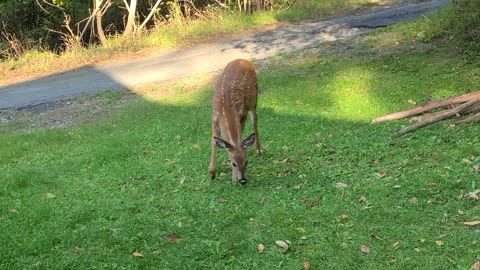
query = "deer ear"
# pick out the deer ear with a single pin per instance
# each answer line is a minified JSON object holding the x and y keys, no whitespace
{"x":248,"y":141}
{"x":222,"y":144}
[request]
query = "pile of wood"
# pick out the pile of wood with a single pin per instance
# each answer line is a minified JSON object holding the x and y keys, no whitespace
{"x":465,"y":107}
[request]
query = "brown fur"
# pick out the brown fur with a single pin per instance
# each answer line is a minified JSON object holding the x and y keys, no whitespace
{"x":235,"y":96}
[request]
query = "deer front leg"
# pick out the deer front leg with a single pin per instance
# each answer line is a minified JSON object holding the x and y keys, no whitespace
{"x":215,"y":133}
{"x":253,"y":118}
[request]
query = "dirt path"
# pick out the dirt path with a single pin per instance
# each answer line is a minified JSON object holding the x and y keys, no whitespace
{"x":202,"y":58}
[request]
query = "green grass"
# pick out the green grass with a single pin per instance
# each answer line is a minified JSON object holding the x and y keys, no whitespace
{"x":128,"y":181}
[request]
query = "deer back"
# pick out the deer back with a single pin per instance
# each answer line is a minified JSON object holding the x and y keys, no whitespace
{"x":235,"y":95}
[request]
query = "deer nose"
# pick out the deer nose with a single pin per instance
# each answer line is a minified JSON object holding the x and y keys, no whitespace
{"x":243,"y":181}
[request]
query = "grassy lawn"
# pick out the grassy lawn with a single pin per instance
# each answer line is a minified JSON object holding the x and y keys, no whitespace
{"x":136,"y":180}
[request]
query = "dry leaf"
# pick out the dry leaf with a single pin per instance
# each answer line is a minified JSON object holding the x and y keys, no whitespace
{"x":364,"y":249}
{"x":417,"y":249}
{"x":362,"y":199}
{"x":412,"y":101}
{"x":301,"y":230}
{"x":475,"y":266}
{"x":393,"y":258}
{"x":285,"y":160}
{"x":170,"y":161}
{"x":260,"y":247}
{"x":381,"y":173}
{"x":178,"y":138}
{"x":472,"y":223}
{"x":474,"y":242}
{"x":397,"y":186}
{"x":439,"y":243}
{"x":172,"y":238}
{"x":460,"y":212}
{"x":50,"y":195}
{"x":262,"y":199}
{"x":302,"y":200}
{"x":196,"y":146}
{"x":282,"y":245}
{"x":340,"y":185}
{"x":137,"y":254}
{"x":298,"y":102}
{"x":182,"y":180}
{"x":344,"y":216}
{"x":466,"y":160}
{"x":395,"y":243}
{"x":374,"y":236}
{"x":432,"y":184}
{"x":306,"y":265}
{"x":75,"y":250}
{"x":312,"y":203}
{"x":422,"y":240}
{"x":317,"y":134}
{"x":413,"y":200}
{"x":13,"y":210}
{"x":474,"y":194}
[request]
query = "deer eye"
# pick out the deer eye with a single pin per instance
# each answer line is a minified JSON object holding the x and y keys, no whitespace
{"x":234,"y":164}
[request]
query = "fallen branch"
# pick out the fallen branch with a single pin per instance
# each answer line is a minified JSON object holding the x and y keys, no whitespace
{"x":473,"y":109}
{"x":444,"y":115}
{"x":425,"y":116}
{"x":471,"y":119}
{"x":428,"y":106}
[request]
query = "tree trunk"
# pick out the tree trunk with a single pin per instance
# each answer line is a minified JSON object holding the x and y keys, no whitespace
{"x":132,"y":9}
{"x":99,"y":15}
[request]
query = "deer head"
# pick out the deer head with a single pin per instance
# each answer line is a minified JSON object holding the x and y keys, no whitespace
{"x":238,"y":157}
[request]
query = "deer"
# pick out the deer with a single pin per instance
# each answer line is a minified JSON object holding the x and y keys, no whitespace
{"x":235,"y":96}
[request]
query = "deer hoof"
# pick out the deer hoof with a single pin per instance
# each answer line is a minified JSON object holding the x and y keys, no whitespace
{"x":258,"y":152}
{"x":211,"y":173}
{"x":243,"y":181}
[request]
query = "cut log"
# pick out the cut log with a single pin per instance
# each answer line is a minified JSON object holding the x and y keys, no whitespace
{"x":473,"y":109}
{"x":428,"y":106}
{"x":425,"y":116}
{"x":471,"y":119}
{"x":444,"y":115}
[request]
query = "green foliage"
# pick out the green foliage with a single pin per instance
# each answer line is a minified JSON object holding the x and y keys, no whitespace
{"x":90,"y":196}
{"x":457,"y":24}
{"x":313,"y":10}
{"x":60,"y":3}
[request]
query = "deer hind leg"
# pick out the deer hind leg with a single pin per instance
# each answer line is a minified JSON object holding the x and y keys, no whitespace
{"x":253,"y":118}
{"x":215,"y":133}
